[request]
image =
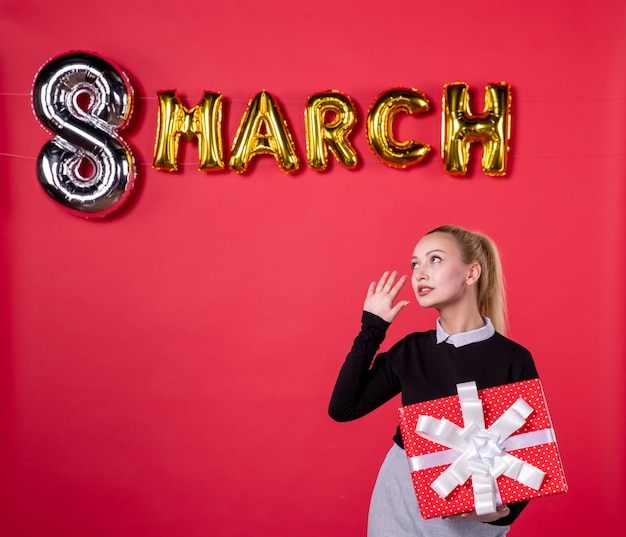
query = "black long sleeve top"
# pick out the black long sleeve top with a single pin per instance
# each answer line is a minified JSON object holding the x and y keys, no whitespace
{"x":421,"y":369}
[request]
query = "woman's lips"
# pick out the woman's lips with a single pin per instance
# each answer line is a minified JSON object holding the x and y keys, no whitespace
{"x":422,"y":290}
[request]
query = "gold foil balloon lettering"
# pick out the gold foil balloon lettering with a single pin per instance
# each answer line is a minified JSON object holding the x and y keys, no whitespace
{"x":329,"y":120}
{"x":203,"y":122}
{"x":263,"y":131}
{"x":380,"y":127}
{"x":461,"y":128}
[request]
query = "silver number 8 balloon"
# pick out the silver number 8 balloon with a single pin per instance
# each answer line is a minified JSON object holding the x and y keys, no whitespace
{"x":83,"y":100}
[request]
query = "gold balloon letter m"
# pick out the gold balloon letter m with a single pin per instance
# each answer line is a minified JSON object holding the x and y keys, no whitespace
{"x":203,"y":121}
{"x":492,"y":128}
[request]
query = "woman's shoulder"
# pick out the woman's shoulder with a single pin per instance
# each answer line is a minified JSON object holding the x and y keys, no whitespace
{"x":520,"y":359}
{"x":507,"y":343}
{"x":426,"y":337}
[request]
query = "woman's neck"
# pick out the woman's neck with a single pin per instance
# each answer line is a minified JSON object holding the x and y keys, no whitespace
{"x":456,"y":323}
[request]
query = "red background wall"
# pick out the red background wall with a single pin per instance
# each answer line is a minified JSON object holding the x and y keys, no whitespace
{"x":166,"y":371}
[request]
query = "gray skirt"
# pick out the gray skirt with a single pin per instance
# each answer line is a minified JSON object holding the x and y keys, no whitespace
{"x":394,"y":511}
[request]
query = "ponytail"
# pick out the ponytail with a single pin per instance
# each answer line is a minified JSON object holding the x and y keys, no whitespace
{"x":491,"y":297}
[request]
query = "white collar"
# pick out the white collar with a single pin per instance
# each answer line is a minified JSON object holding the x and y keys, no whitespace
{"x":465,"y":338}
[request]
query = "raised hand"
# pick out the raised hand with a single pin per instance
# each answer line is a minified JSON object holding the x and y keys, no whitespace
{"x":381,"y":296}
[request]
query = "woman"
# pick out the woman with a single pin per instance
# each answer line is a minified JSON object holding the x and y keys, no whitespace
{"x":457,"y":272}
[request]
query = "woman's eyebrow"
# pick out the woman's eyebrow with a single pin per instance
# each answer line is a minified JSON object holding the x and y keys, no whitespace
{"x":431,"y":252}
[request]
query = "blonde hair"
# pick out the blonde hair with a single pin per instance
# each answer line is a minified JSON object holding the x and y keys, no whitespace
{"x":491,"y":296}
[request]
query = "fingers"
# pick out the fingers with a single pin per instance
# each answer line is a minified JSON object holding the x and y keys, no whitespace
{"x":393,"y":286}
{"x":502,"y":511}
{"x":396,"y":288}
{"x":384,"y":279}
{"x":388,"y":284}
{"x":382,"y":294}
{"x":398,"y":307}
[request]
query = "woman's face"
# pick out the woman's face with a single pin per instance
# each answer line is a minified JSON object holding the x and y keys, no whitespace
{"x":440,"y":277}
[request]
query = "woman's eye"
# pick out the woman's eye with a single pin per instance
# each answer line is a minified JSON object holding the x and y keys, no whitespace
{"x":414,"y":265}
{"x":435,"y":259}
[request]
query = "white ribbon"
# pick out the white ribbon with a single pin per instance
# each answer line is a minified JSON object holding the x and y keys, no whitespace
{"x":480,"y":453}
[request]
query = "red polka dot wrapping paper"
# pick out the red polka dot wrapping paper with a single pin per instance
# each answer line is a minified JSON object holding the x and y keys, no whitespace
{"x":495,"y":401}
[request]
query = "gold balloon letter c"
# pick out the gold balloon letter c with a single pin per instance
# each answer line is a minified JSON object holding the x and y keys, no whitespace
{"x":380,"y":127}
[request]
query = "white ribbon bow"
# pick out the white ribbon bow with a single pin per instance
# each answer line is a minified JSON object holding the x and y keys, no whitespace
{"x":480,"y":453}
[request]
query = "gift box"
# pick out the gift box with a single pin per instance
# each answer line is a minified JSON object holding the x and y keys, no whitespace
{"x":481,"y":449}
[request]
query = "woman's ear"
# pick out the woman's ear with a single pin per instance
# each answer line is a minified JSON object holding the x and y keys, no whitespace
{"x":473,"y":273}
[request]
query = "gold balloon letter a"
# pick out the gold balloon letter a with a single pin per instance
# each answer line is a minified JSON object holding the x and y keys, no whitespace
{"x":329,"y":120}
{"x":263,"y":131}
{"x":204,"y":121}
{"x":492,"y":128}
